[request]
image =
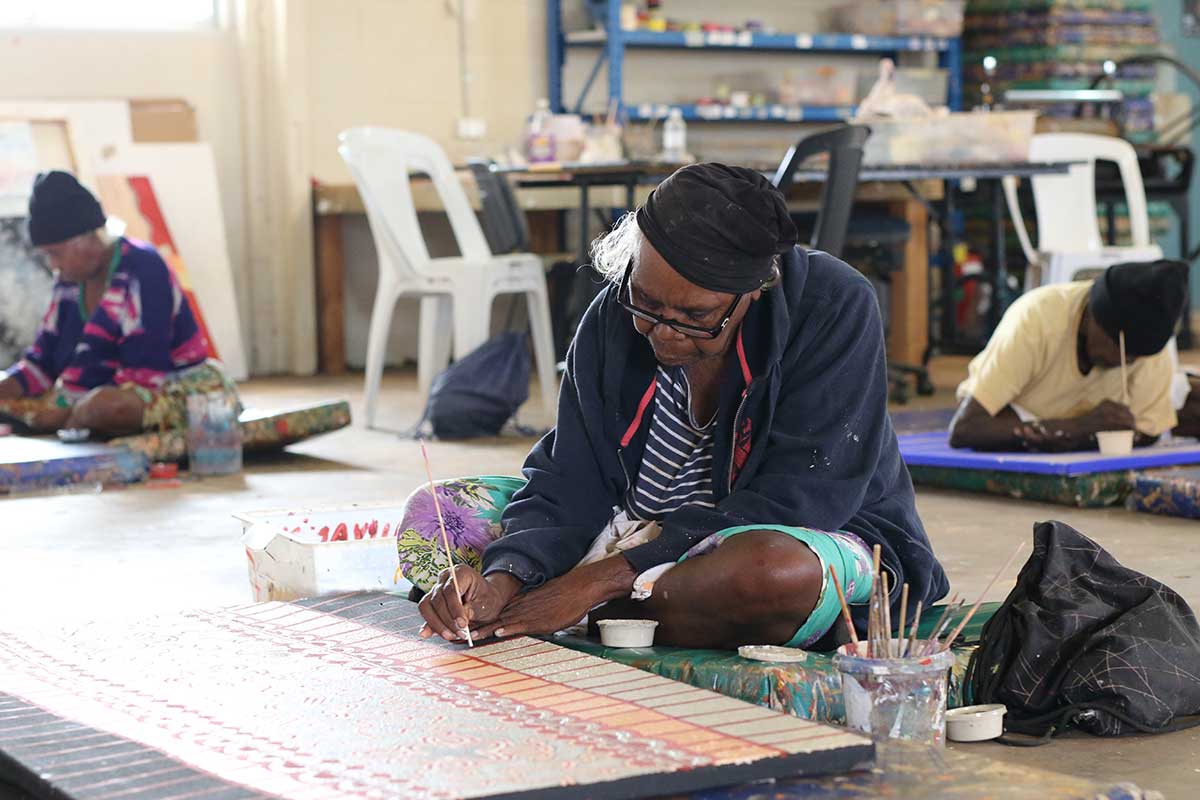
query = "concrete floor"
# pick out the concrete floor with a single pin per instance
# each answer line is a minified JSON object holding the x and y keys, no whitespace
{"x":124,"y":552}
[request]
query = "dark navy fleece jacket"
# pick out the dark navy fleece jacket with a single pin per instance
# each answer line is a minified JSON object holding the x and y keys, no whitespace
{"x":805,"y":441}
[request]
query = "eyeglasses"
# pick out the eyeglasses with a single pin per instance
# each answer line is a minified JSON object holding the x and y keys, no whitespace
{"x":625,"y":298}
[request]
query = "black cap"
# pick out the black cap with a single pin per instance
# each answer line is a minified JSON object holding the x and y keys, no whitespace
{"x":60,"y":209}
{"x":1145,"y":300}
{"x":720,"y":227}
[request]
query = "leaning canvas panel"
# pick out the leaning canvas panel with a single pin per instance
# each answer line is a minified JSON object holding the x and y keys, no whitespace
{"x":184,"y":180}
{"x":91,"y":129}
{"x":339,"y":697}
{"x":132,"y":199}
{"x":25,"y":287}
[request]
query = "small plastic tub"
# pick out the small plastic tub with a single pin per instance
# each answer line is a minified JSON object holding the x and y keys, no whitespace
{"x":772,"y":652}
{"x":1115,"y":443}
{"x":627,"y":632}
{"x":975,"y":723}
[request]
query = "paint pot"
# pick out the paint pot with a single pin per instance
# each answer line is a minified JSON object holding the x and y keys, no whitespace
{"x":975,"y":723}
{"x":772,"y":652}
{"x":627,"y":632}
{"x":895,"y":698}
{"x":214,"y":435}
{"x":1115,"y":443}
{"x":74,"y":435}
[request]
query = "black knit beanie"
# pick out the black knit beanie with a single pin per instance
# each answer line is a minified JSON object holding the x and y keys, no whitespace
{"x":60,"y":209}
{"x":1143,"y":299}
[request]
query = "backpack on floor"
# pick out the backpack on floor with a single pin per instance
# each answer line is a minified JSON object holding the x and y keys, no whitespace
{"x":1085,"y":642}
{"x":476,"y":395}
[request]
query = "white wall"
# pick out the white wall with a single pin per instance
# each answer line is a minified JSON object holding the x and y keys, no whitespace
{"x":396,"y":63}
{"x":198,"y":66}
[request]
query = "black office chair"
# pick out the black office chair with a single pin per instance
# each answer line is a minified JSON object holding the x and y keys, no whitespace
{"x":844,"y":146}
{"x":833,"y":229}
{"x":500,"y":215}
{"x":506,"y":230}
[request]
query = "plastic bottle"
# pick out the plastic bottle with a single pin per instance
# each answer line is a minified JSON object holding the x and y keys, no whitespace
{"x":539,"y":142}
{"x":674,"y":138}
{"x":214,"y":435}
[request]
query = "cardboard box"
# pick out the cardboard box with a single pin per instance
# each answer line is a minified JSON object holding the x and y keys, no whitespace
{"x":162,"y":120}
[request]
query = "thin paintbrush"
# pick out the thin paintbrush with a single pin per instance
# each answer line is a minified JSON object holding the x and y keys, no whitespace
{"x":876,"y":605}
{"x":900,"y":624}
{"x":845,"y":608}
{"x":445,"y":538}
{"x":912,"y":637}
{"x":887,"y":618}
{"x":974,"y":608}
{"x":940,"y":620}
{"x":1124,"y":378}
{"x":931,"y":645}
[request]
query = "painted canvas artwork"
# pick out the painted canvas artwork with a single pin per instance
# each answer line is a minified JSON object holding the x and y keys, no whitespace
{"x":132,"y":200}
{"x":25,"y":287}
{"x":338,"y":697}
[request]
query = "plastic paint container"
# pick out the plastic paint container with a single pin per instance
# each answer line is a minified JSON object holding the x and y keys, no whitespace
{"x":1115,"y":443}
{"x":975,"y":723}
{"x":627,"y":632}
{"x":214,"y":436}
{"x":772,"y":652}
{"x":895,"y":698}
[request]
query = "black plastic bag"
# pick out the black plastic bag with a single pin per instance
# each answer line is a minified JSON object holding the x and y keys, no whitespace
{"x":1083,"y":641}
{"x":477,"y":394}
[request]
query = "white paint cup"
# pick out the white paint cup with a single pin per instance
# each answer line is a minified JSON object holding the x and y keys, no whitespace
{"x":627,"y":632}
{"x":1115,"y":443}
{"x":975,"y":723}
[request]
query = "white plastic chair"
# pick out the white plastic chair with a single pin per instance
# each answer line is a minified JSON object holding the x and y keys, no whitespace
{"x":457,"y":292}
{"x":1069,"y":239}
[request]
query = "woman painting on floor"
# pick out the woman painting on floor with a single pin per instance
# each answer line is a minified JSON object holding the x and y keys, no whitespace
{"x":722,"y":442}
{"x":118,"y":349}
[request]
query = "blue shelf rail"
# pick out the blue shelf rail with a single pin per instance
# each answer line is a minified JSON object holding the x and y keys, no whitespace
{"x":612,"y":42}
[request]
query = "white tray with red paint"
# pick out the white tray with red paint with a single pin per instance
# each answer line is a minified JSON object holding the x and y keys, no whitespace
{"x":309,"y":552}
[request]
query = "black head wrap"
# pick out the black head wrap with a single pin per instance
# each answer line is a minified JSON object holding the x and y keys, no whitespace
{"x":1145,"y":300}
{"x":718,"y":226}
{"x":60,"y":209}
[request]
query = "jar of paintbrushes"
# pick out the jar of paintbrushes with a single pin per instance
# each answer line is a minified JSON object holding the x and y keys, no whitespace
{"x":894,"y":684}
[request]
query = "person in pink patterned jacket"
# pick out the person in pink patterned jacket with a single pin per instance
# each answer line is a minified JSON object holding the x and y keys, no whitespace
{"x":118,"y":349}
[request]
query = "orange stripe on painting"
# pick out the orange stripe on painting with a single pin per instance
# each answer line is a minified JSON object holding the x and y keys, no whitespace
{"x":666,"y":726}
{"x":510,"y":688}
{"x":631,"y":718}
{"x":571,"y":708}
{"x":545,"y":691}
{"x":613,"y":707}
{"x":554,"y":701}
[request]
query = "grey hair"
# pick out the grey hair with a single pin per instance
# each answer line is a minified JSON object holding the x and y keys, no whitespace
{"x":613,"y":252}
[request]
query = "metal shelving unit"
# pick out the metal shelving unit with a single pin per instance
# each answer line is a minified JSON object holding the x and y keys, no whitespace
{"x":613,"y":42}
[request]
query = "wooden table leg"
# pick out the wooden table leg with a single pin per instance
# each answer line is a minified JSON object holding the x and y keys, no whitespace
{"x":331,"y":331}
{"x":909,"y":335}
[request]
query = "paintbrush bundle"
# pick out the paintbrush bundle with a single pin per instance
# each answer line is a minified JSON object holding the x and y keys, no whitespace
{"x":885,"y":642}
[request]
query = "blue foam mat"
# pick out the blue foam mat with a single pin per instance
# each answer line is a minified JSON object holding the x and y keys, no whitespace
{"x":934,"y":450}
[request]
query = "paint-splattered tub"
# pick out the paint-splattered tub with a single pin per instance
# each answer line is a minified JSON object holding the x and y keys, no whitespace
{"x":293,"y":553}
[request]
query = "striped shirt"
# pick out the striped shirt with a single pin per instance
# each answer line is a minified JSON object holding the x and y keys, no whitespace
{"x":676,"y":469}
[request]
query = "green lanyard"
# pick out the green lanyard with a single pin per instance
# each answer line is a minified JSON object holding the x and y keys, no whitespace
{"x":112,"y":267}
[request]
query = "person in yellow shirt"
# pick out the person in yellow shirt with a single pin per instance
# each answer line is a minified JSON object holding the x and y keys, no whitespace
{"x":1050,"y":377}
